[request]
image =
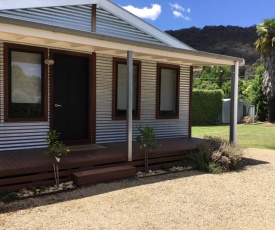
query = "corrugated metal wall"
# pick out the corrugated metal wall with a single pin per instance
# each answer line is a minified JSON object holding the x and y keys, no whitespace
{"x":79,"y":17}
{"x":18,"y":135}
{"x":109,"y":130}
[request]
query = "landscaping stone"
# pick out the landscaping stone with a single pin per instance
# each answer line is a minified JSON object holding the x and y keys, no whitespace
{"x":50,"y":189}
{"x":161,"y":171}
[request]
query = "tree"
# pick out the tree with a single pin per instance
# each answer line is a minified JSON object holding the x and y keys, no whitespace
{"x":266,"y":46}
{"x":212,"y":78}
{"x":257,"y":97}
{"x":147,"y":142}
{"x":244,"y":89}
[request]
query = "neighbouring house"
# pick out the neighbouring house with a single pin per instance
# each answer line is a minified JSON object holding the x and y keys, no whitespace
{"x":67,"y":65}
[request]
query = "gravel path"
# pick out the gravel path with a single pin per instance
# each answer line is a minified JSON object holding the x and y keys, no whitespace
{"x":184,"y":200}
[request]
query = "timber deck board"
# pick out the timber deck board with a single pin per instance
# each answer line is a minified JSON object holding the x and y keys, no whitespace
{"x":32,"y":161}
{"x":103,"y":174}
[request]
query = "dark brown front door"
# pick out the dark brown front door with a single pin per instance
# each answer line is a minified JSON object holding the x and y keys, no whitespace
{"x":71,"y":74}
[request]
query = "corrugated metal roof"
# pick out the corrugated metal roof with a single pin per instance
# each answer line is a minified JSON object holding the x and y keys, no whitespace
{"x":79,"y":17}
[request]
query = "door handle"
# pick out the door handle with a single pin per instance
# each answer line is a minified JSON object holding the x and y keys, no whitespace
{"x":57,"y":105}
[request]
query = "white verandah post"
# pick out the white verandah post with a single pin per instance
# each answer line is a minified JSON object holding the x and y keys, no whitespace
{"x":129,"y":102}
{"x":234,"y":104}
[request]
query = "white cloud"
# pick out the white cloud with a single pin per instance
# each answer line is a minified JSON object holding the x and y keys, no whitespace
{"x":177,"y":7}
{"x":178,"y":11}
{"x":149,"y":13}
{"x":178,"y":14}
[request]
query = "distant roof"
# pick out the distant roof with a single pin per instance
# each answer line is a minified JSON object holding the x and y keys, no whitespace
{"x":114,"y":9}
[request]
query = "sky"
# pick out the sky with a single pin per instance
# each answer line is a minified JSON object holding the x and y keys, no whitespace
{"x":178,"y":14}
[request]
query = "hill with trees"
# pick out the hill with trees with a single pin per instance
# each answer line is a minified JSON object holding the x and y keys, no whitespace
{"x":227,"y":40}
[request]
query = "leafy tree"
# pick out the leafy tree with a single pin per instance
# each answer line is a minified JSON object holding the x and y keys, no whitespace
{"x":216,"y":74}
{"x":212,"y":78}
{"x":243,"y":89}
{"x":200,"y":83}
{"x":266,"y":46}
{"x":257,"y":97}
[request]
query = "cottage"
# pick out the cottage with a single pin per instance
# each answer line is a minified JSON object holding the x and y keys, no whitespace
{"x":66,"y":65}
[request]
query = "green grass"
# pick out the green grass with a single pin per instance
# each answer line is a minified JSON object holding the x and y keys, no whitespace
{"x":248,"y":136}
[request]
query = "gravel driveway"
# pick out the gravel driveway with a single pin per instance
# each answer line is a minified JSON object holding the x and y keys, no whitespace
{"x":184,"y":200}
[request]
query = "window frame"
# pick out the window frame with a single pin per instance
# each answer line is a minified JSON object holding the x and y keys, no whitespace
{"x":8,"y":48}
{"x":158,"y":113}
{"x":116,"y":116}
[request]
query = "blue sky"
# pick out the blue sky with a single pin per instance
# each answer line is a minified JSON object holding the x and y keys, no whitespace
{"x":178,"y":14}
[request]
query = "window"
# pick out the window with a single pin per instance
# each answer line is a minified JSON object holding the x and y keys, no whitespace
{"x":120,"y":88}
{"x":167,"y":91}
{"x":25,"y":83}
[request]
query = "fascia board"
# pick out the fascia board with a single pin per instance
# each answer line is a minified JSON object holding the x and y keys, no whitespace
{"x":41,"y":31}
{"x":23,"y":4}
{"x":142,"y":25}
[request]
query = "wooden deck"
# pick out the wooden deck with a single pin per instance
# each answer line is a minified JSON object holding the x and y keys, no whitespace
{"x":26,"y":168}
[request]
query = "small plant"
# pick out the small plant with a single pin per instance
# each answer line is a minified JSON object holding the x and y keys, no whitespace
{"x":146,"y":140}
{"x":166,"y":167}
{"x":7,"y":196}
{"x":55,"y":149}
{"x":33,"y":189}
{"x":216,"y":155}
{"x":214,"y":168}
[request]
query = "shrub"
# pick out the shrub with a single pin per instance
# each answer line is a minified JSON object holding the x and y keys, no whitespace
{"x":214,"y":168}
{"x":228,"y":156}
{"x":206,"y":107}
{"x":216,"y":155}
{"x":166,"y":167}
{"x":7,"y":196}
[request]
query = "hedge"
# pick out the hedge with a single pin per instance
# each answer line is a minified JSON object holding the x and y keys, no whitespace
{"x":206,"y":107}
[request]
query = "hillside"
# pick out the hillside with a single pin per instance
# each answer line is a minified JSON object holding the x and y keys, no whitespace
{"x":227,"y":40}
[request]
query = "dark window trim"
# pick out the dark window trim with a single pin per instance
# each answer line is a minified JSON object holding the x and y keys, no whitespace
{"x":116,"y":116}
{"x":167,"y":66}
{"x":24,"y":48}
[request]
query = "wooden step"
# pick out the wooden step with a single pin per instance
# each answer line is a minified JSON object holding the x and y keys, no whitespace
{"x":103,"y":174}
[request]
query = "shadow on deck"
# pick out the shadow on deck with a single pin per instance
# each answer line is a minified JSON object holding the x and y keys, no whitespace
{"x":31,"y":168}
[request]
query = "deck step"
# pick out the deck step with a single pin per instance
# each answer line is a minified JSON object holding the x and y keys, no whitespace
{"x":103,"y":174}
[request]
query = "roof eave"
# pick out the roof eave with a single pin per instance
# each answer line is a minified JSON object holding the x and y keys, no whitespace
{"x":127,"y":44}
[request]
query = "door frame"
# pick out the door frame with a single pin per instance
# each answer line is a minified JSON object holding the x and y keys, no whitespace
{"x":91,"y":95}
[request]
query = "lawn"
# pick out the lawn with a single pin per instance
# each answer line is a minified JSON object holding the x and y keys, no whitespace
{"x":248,"y":136}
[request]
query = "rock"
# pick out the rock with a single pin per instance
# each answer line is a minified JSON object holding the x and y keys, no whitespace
{"x":150,"y":172}
{"x":70,"y":186}
{"x":68,"y":183}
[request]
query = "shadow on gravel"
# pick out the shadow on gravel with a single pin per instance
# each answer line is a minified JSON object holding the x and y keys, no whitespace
{"x":253,"y":162}
{"x":101,"y":188}
{"x":90,"y":190}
